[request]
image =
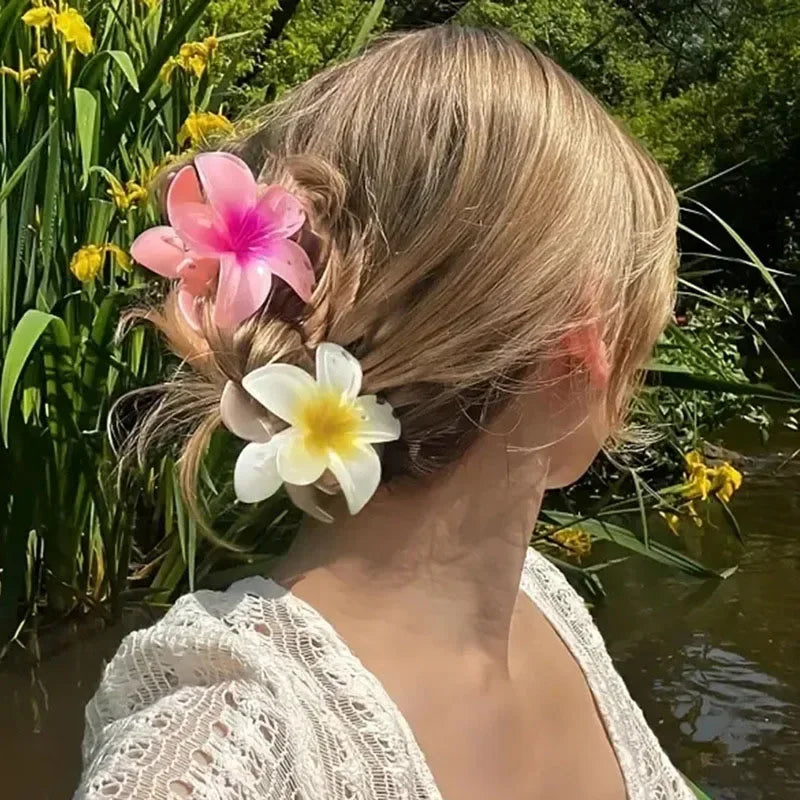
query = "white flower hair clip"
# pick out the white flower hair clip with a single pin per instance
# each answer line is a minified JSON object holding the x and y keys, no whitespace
{"x":331,"y":428}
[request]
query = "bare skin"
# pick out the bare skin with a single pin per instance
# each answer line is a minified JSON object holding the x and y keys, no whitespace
{"x":423,"y":585}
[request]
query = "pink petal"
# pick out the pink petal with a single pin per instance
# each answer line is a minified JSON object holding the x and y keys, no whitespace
{"x":160,"y":250}
{"x":192,"y":219}
{"x":197,"y":274}
{"x":189,"y":304}
{"x":183,"y":188}
{"x":240,"y":292}
{"x":288,"y":261}
{"x":227,"y":181}
{"x":282,"y":211}
{"x":197,"y":227}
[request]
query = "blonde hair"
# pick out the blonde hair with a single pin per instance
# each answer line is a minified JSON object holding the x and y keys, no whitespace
{"x":469,"y":205}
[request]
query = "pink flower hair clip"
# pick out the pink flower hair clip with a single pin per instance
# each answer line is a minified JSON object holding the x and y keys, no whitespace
{"x":226,"y":239}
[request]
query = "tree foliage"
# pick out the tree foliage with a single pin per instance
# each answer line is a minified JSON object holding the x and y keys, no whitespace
{"x":706,"y":84}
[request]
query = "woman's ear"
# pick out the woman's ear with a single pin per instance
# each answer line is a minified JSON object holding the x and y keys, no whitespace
{"x":586,"y":345}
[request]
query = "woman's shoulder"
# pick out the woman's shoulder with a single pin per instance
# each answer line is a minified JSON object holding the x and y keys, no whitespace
{"x":544,"y":581}
{"x":201,"y":699}
{"x":565,"y":609}
{"x":647,"y":769}
{"x":205,"y":637}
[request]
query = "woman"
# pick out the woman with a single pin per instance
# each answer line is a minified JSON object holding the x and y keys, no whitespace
{"x":431,"y":308}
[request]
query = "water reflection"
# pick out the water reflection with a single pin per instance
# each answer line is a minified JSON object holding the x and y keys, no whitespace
{"x":716,"y":665}
{"x":721,"y":696}
{"x":41,"y":709}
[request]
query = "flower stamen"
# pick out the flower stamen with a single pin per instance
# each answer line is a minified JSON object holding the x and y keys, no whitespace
{"x":328,"y":424}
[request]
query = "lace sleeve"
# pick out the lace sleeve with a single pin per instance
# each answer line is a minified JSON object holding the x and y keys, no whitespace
{"x":192,"y":708}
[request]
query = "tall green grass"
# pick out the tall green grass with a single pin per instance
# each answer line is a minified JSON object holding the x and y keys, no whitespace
{"x":83,"y":123}
{"x":82,"y":127}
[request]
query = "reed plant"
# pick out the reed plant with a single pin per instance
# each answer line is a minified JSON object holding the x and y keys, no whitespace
{"x":96,"y":97}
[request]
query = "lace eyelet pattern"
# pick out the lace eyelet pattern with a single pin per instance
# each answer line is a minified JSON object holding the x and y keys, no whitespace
{"x":249,"y":694}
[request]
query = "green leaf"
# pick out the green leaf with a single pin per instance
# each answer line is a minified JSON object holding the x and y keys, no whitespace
{"x":5,"y":273}
{"x":659,"y":366}
{"x":24,"y":165}
{"x":167,"y":45}
{"x":8,"y":19}
{"x":642,"y":509}
{"x":696,"y":235}
{"x":622,"y":537}
{"x":100,"y":214}
{"x":23,"y":252}
{"x":698,"y":792}
{"x":679,"y":377}
{"x":370,"y":20}
{"x":126,"y":65}
{"x":96,"y":360}
{"x":25,"y":337}
{"x":732,"y":521}
{"x":52,"y":189}
{"x":754,"y":259}
{"x":86,"y":118}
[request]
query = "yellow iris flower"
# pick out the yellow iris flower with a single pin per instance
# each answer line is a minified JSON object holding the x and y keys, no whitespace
{"x":728,"y":480}
{"x":42,"y":56}
{"x":199,"y":125}
{"x":574,"y":539}
{"x":699,"y":482}
{"x":22,"y":76}
{"x":72,"y":26}
{"x":124,"y":197}
{"x":87,"y":262}
{"x":39,"y":16}
{"x":165,"y":73}
{"x":702,"y":480}
{"x":192,"y":57}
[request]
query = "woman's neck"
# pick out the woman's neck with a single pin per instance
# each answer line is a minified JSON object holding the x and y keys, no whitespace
{"x":435,"y":562}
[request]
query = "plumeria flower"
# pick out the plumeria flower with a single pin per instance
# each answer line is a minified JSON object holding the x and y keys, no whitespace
{"x":330,"y":428}
{"x":227,"y":236}
{"x":247,"y":419}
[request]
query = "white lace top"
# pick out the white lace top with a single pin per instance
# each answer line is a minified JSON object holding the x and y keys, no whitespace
{"x":249,"y":694}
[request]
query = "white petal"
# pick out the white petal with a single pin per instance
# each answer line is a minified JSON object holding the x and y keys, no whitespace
{"x":240,"y":415}
{"x":337,"y":369}
{"x":281,"y":388}
{"x":305,"y":498}
{"x":378,"y":422}
{"x":359,"y":475}
{"x":255,"y":476}
{"x":296,"y":463}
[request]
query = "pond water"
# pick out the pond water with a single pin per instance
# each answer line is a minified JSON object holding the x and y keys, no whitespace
{"x":715,"y":665}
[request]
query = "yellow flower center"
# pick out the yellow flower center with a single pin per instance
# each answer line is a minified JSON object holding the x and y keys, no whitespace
{"x":328,"y":423}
